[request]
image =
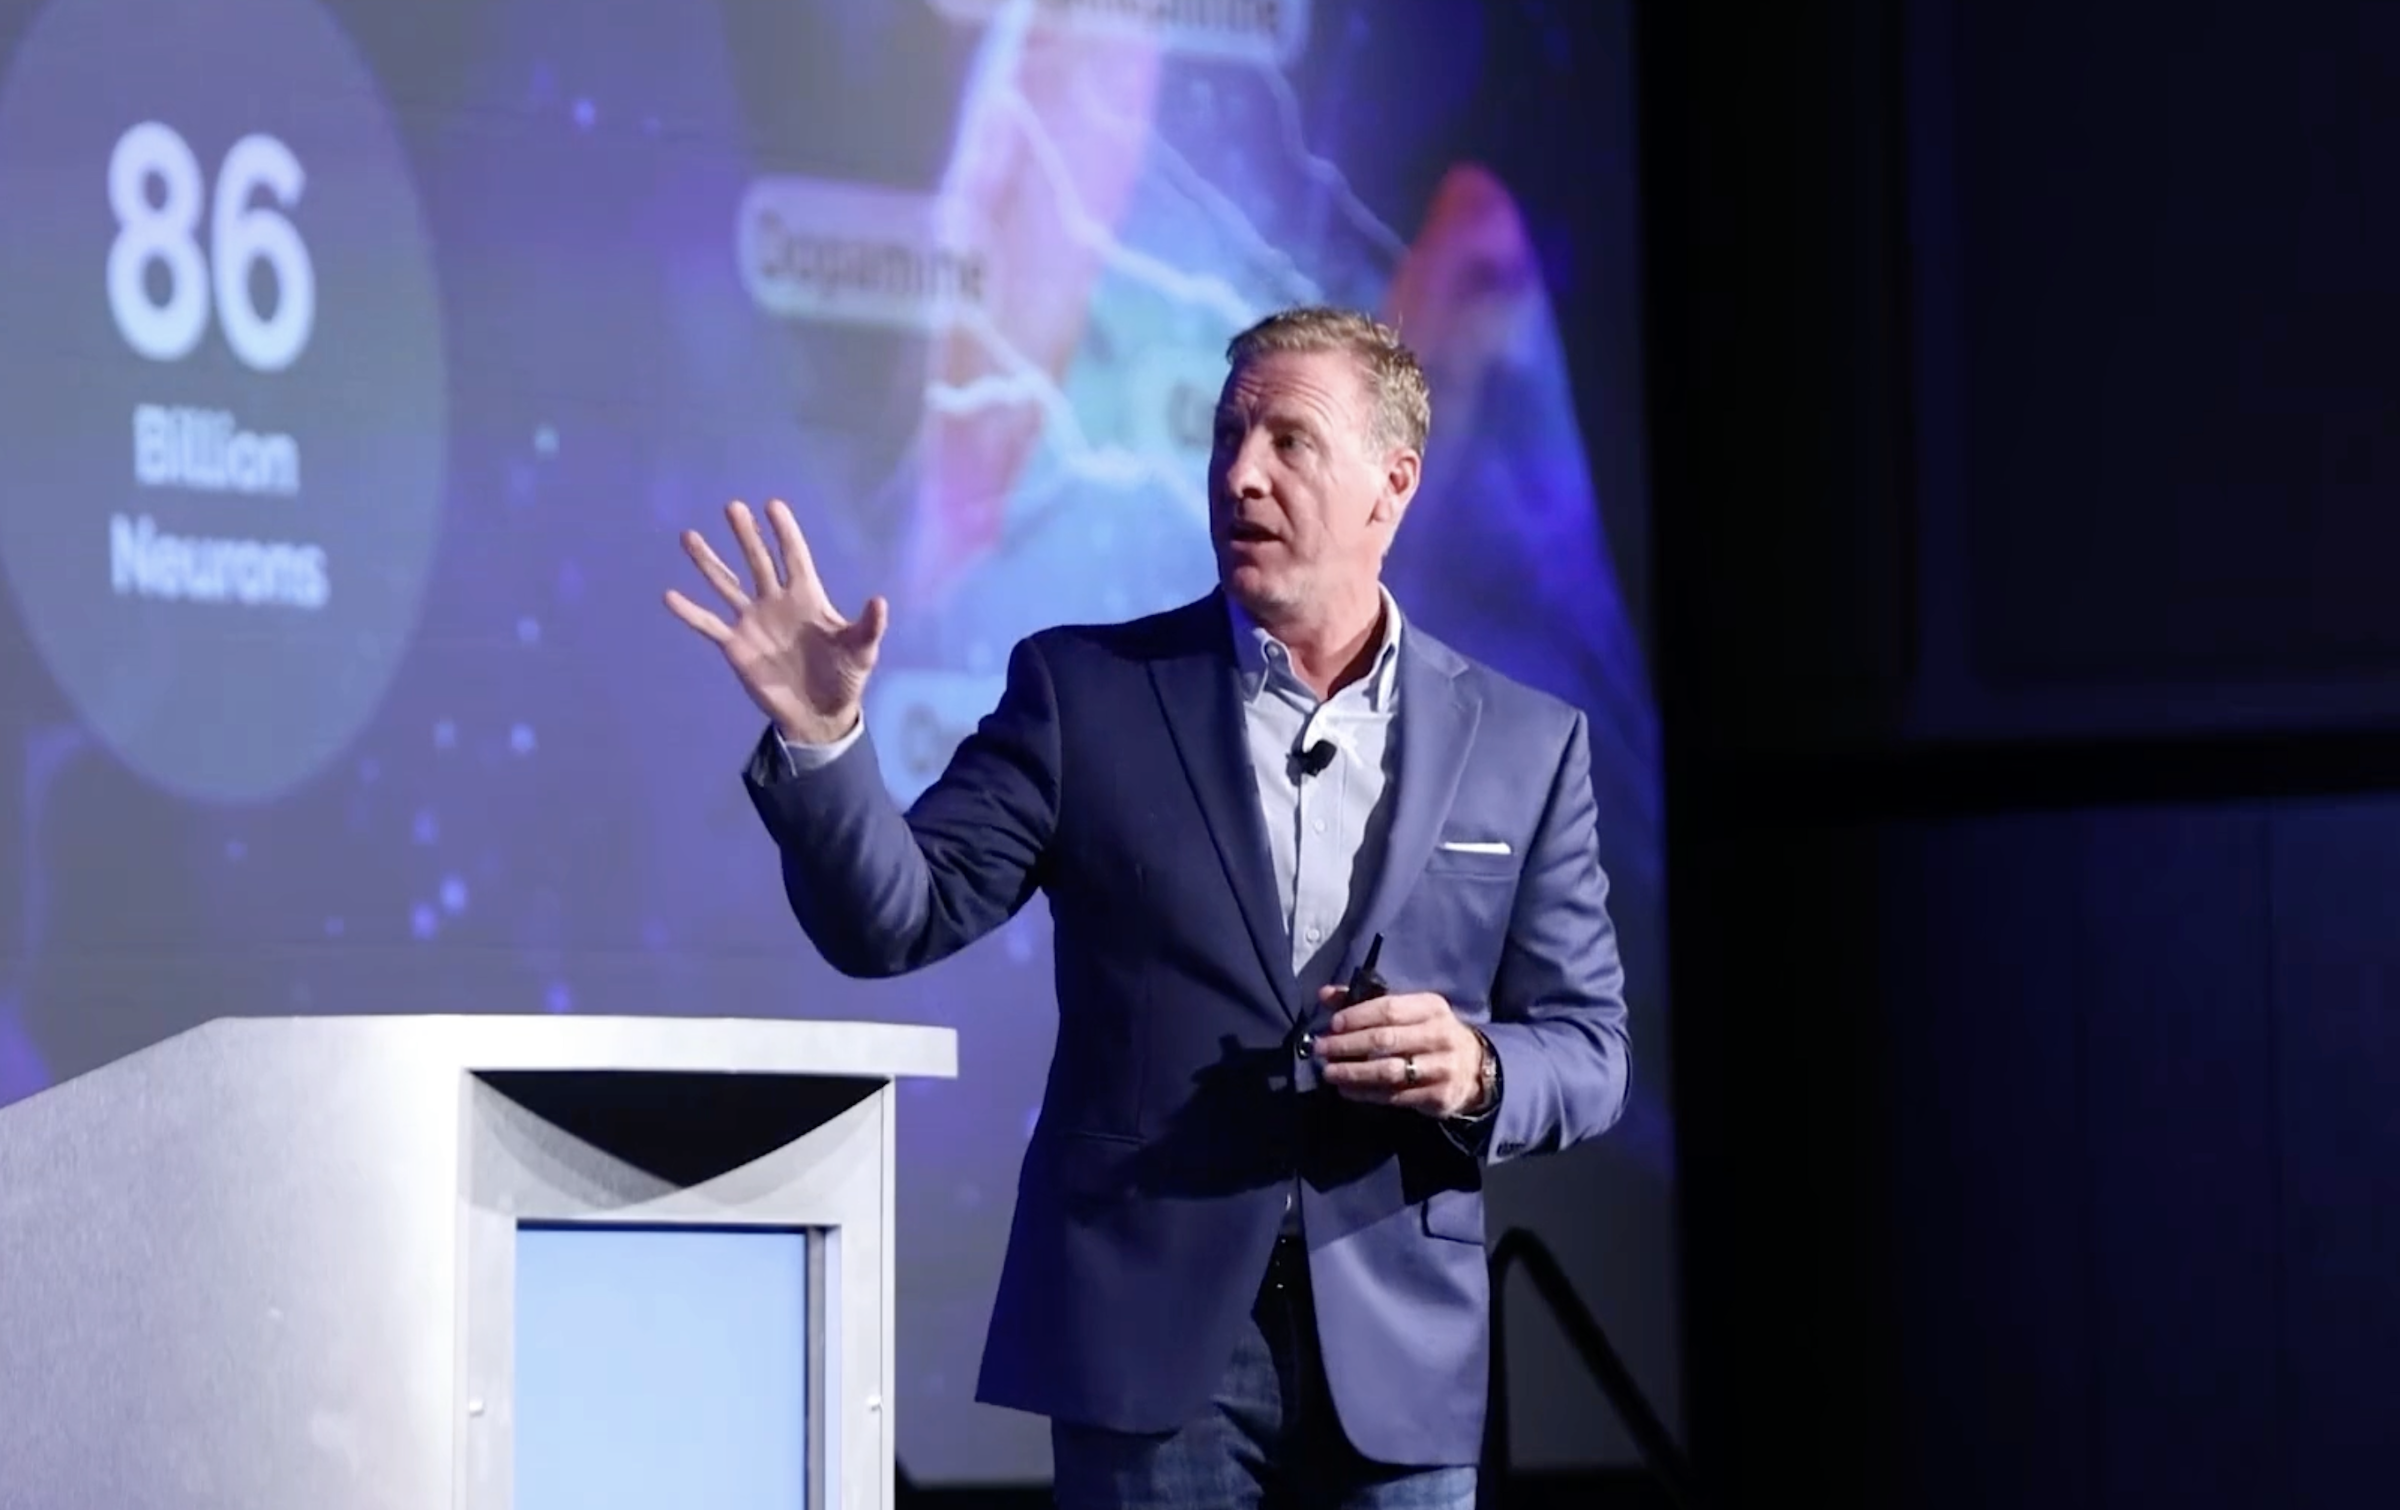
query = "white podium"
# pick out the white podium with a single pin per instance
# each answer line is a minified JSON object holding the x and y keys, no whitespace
{"x":491,"y":1263}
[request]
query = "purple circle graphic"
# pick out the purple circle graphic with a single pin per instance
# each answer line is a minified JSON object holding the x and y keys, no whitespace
{"x":222,"y":392}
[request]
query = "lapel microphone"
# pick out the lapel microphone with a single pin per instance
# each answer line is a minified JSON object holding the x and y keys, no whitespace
{"x":1315,"y":758}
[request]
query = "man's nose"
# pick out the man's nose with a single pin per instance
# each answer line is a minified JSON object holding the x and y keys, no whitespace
{"x":1242,"y":475}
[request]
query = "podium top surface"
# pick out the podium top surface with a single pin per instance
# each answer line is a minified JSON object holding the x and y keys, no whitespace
{"x":685,"y":1045}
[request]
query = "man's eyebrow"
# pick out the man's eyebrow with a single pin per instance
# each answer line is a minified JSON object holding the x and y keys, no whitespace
{"x":1298,"y":416}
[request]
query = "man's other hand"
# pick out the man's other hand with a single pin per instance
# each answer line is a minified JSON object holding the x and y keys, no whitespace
{"x":1369,"y":1047}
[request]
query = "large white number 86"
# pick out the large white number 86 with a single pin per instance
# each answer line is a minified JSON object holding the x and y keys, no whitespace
{"x":241,"y":235}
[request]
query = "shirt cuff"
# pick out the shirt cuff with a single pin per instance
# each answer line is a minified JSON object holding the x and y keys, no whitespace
{"x":799,"y":758}
{"x":1471,"y":1136}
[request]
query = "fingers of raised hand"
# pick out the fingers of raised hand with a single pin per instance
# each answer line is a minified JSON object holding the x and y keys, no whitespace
{"x":863,"y":634}
{"x":799,"y":566}
{"x":765,"y":579}
{"x":699,"y":618}
{"x":768,"y":577}
{"x":713,"y":568}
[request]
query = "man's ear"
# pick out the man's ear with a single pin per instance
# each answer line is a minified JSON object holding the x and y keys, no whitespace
{"x":1401,"y":472}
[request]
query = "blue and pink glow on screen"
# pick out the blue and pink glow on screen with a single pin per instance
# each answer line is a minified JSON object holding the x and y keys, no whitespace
{"x":560,"y":314}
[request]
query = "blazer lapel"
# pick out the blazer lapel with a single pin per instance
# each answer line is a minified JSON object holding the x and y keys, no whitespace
{"x":1438,"y":712}
{"x":1199,"y":696}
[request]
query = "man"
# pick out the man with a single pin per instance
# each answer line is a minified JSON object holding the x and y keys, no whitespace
{"x":1247,"y":1258}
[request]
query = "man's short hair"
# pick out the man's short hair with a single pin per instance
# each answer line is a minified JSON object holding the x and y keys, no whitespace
{"x":1396,"y":388}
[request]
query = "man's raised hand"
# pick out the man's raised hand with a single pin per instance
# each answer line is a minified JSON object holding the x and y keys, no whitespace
{"x":801,"y":661}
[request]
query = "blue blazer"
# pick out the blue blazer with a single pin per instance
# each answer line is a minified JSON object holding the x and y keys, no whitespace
{"x":1114,"y":778}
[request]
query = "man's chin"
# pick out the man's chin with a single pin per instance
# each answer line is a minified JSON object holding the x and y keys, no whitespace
{"x":1258,"y":591}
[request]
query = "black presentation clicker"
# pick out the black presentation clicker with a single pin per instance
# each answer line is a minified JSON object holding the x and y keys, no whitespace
{"x":1365,"y":984}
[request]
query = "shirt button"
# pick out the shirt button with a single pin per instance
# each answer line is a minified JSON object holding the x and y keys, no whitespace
{"x":1319,"y":825}
{"x":1314,"y":934}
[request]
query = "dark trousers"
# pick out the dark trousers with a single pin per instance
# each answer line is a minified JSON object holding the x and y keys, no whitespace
{"x":1269,"y":1437}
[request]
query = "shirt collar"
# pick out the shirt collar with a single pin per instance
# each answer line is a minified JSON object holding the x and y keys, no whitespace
{"x":1253,"y":647}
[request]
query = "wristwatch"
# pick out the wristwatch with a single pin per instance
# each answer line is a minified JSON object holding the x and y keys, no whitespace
{"x":1487,"y":1079}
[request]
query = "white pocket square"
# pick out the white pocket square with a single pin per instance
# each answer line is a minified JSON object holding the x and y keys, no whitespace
{"x":1476,"y":846}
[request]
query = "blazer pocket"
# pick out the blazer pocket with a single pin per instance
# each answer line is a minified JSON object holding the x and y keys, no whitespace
{"x":1474,"y":864}
{"x":1456,"y":1215}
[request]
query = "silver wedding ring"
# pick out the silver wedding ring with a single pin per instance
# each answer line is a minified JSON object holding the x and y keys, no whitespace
{"x":1408,"y":1068}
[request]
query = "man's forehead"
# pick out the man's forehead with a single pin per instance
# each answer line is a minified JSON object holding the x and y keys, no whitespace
{"x":1320,"y":380}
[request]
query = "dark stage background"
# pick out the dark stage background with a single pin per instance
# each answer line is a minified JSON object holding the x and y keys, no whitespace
{"x":2024,"y":455}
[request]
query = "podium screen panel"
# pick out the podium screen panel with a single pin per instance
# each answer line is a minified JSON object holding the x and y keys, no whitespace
{"x":661,"y":1366}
